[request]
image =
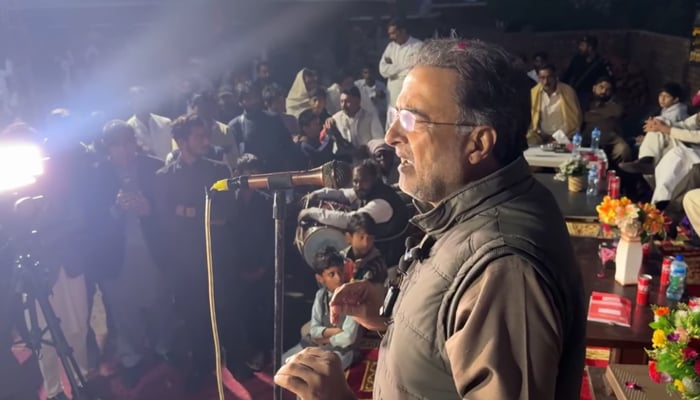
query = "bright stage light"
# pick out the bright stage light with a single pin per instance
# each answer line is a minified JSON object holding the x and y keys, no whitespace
{"x":20,"y":165}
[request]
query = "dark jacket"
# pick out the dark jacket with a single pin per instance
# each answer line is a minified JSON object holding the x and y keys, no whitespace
{"x":371,"y":267}
{"x":105,"y":255}
{"x":494,"y":309}
{"x":266,"y":137}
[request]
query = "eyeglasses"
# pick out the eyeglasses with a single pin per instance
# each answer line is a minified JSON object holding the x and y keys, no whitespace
{"x":408,"y":121}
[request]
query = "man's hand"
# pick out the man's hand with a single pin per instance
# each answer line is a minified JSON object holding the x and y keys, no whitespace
{"x":656,"y":125}
{"x":329,"y":124}
{"x":314,"y":374}
{"x":360,"y":300}
{"x":306,"y":213}
{"x":134,"y":203}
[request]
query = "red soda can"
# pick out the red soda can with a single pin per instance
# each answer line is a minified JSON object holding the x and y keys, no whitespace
{"x":611,"y":178}
{"x":643,"y":284}
{"x":602,"y":170}
{"x":666,"y":270}
{"x":614,"y":187}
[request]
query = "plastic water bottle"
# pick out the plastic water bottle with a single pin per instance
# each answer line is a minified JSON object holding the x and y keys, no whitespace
{"x":577,"y":139}
{"x":592,"y":181}
{"x":676,"y":285}
{"x":595,"y":139}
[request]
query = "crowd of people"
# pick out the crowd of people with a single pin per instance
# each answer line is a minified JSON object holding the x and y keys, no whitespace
{"x":129,"y":194}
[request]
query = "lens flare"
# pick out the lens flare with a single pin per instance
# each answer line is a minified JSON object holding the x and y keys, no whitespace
{"x":20,"y":165}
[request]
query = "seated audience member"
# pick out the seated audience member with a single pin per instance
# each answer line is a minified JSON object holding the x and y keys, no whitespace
{"x":273,"y":98}
{"x":339,"y":338}
{"x":605,"y":113}
{"x":341,"y":81}
{"x":655,"y":144}
{"x":318,"y":102}
{"x":679,"y":159}
{"x":385,"y":156}
{"x":364,"y":260}
{"x":317,"y":151}
{"x":554,"y":107}
{"x":299,"y":96}
{"x":355,"y":124}
{"x":368,"y":195}
{"x":691,"y":204}
{"x":674,"y":209}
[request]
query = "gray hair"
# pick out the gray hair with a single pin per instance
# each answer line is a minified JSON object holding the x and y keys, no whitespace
{"x":492,"y":90}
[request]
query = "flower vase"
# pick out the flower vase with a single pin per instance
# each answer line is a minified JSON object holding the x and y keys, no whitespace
{"x":577,"y":183}
{"x":628,"y":259}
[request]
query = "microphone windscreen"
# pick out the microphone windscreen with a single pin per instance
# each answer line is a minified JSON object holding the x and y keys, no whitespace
{"x":336,"y":174}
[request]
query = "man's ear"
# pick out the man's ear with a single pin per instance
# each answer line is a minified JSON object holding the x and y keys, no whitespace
{"x":480,"y":144}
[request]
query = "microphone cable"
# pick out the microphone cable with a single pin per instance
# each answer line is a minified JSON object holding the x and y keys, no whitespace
{"x":212,"y":302}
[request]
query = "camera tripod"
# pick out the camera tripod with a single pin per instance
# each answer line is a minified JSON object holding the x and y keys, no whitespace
{"x":31,"y":283}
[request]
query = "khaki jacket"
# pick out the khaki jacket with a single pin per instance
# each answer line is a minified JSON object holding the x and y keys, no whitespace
{"x":496,"y":309}
{"x":570,"y":108}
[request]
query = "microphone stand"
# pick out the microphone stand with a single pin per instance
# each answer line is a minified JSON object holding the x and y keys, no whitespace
{"x":279,"y":206}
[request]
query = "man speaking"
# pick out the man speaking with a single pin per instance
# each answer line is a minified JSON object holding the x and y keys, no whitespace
{"x":492,"y":307}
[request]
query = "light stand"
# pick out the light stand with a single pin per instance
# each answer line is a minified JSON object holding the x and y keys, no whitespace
{"x":279,"y":206}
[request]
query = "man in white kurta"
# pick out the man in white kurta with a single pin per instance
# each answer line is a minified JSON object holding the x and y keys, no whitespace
{"x":152,"y":131}
{"x":398,"y":58}
{"x":355,"y":124}
{"x":679,"y":158}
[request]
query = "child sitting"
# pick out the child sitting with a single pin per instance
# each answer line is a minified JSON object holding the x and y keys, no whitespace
{"x":363,"y":260}
{"x":328,"y":266}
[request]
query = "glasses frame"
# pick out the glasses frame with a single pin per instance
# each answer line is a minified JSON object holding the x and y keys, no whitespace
{"x":397,"y":116}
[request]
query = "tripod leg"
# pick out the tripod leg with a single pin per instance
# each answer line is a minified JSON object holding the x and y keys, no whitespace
{"x":63,"y":350}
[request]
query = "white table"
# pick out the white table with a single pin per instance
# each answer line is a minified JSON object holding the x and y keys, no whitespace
{"x":537,"y":157}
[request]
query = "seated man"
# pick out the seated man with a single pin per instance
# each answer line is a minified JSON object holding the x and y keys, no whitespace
{"x":363,"y":260}
{"x":691,"y":204}
{"x":356,"y":124}
{"x":316,"y":151}
{"x":339,"y":338}
{"x":679,"y":159}
{"x":368,"y":195}
{"x":655,"y":144}
{"x":605,"y":113}
{"x":554,"y":107}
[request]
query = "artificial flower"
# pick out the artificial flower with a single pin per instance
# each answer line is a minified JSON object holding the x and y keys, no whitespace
{"x":679,"y":385}
{"x":653,"y":373}
{"x":658,"y":339}
{"x":661,"y":311}
{"x":679,"y":318}
{"x":682,"y":335}
{"x":689,"y":353}
{"x":673,"y":337}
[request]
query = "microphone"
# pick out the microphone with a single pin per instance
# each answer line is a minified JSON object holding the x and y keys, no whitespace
{"x":333,"y":174}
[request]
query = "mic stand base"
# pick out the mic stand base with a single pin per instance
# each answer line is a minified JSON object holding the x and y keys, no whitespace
{"x":279,"y":215}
